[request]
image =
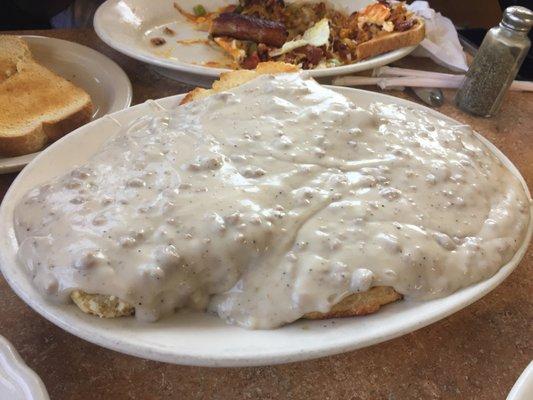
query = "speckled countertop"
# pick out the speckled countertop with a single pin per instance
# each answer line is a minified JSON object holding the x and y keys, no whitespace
{"x":477,"y":353}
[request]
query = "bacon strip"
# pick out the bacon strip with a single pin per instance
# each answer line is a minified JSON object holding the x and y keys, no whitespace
{"x":247,"y":27}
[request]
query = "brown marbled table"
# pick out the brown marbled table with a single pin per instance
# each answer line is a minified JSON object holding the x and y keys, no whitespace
{"x":477,"y":353}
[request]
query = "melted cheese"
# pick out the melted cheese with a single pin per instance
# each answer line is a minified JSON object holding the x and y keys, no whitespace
{"x":317,"y":35}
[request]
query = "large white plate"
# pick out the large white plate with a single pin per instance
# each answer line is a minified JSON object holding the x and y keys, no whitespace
{"x":106,"y":83}
{"x":202,"y":339}
{"x":128,"y":25}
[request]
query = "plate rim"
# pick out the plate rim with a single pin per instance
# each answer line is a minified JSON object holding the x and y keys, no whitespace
{"x":174,"y":65}
{"x":479,"y":289}
{"x":523,"y":384}
{"x":26,"y":379}
{"x":16,"y":163}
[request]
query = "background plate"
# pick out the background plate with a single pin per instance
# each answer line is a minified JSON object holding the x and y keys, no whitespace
{"x":202,"y":339}
{"x":523,"y":388}
{"x":17,"y":380}
{"x":128,"y":25}
{"x":106,"y":83}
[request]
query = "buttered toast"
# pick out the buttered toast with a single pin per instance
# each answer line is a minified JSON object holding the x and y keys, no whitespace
{"x":36,"y":105}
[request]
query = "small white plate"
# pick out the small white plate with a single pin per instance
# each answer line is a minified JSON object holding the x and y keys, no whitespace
{"x":128,"y":26}
{"x":106,"y":83}
{"x":199,"y":338}
{"x":523,"y":388}
{"x":17,"y":380}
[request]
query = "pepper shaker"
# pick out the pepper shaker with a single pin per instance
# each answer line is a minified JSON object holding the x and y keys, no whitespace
{"x":496,"y":63}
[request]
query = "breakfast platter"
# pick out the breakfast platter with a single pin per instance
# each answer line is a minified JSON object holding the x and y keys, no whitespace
{"x":133,"y":26}
{"x":202,"y":339}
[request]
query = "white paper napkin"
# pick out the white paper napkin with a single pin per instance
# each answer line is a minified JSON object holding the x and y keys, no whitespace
{"x":441,"y":43}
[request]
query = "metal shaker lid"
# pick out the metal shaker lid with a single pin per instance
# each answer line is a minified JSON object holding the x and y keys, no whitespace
{"x":518,"y":18}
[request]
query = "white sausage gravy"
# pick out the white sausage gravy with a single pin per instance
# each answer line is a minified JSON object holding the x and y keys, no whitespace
{"x":272,"y":200}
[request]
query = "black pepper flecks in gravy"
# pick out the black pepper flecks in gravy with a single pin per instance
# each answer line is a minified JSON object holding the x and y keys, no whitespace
{"x":272,"y":200}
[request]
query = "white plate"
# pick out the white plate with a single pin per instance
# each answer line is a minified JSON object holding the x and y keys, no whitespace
{"x":106,"y":83}
{"x":17,"y":380}
{"x":128,"y":25}
{"x":202,"y":339}
{"x":523,"y":388}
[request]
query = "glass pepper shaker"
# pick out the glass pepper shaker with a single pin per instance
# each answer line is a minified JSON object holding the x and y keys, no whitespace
{"x":496,"y":63}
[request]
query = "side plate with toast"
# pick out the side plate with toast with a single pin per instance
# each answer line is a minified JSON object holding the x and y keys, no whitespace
{"x":105,"y":82}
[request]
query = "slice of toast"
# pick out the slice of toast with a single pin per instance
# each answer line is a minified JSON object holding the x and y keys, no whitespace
{"x":391,"y":41}
{"x":36,"y":105}
{"x":12,"y":51}
{"x":352,"y":305}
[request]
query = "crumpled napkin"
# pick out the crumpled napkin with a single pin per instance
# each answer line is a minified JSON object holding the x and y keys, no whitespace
{"x":441,"y":43}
